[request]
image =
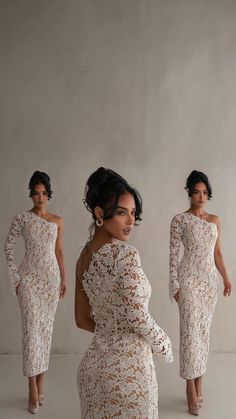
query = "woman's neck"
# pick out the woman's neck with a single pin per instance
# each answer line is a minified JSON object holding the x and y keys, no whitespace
{"x":41,"y":212}
{"x":199,"y":212}
{"x":102,"y":237}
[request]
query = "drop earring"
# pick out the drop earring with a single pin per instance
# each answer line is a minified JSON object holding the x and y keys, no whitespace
{"x":99,"y":223}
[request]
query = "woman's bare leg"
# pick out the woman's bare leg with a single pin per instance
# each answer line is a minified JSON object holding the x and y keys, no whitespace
{"x":191,"y":397}
{"x":40,"y":383}
{"x":198,"y":387}
{"x":40,"y":386}
{"x":33,"y":394}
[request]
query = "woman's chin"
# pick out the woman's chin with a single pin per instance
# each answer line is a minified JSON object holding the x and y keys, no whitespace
{"x":125,"y":237}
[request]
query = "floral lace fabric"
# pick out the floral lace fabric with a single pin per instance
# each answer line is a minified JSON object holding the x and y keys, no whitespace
{"x":116,"y":377}
{"x":38,"y":293}
{"x":196,"y":279}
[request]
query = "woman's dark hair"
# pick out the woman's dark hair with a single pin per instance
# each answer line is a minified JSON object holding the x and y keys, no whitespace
{"x":103,"y":189}
{"x":197,"y":177}
{"x":40,"y":177}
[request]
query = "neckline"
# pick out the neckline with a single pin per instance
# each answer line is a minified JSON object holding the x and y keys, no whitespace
{"x":41,"y":218}
{"x":199,"y":218}
{"x":95,"y":254}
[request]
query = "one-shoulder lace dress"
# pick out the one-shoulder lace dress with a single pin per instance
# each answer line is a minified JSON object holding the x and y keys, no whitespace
{"x":38,"y":293}
{"x":196,"y":279}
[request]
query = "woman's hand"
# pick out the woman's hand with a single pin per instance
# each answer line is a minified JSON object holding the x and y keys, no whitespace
{"x":176,"y":296}
{"x":227,"y":288}
{"x":63,"y":288}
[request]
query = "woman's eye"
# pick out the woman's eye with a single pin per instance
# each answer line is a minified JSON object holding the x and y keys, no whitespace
{"x":120,"y":212}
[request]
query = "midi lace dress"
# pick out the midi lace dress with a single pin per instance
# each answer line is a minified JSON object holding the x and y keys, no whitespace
{"x":116,"y":377}
{"x":38,"y":278}
{"x":196,"y":278}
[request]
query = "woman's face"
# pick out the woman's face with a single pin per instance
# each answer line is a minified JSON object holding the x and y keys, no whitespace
{"x":40,"y":196}
{"x":121,"y":224}
{"x":199,"y":195}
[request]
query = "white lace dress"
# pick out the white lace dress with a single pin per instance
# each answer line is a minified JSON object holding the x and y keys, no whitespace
{"x":116,"y":378}
{"x":38,"y":293}
{"x":196,"y":279}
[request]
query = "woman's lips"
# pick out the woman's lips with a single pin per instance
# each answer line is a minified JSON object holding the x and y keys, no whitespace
{"x":127,"y":230}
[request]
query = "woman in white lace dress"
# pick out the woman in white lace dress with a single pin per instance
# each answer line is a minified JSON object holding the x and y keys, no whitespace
{"x":37,"y":282}
{"x":116,"y":377}
{"x":193,"y":282}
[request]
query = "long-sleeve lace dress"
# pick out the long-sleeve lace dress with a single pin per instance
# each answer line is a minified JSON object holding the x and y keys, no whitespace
{"x":38,"y":279}
{"x":196,"y":279}
{"x":116,"y":377}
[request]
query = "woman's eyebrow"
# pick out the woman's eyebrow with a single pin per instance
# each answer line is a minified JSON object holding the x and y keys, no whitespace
{"x":124,"y":208}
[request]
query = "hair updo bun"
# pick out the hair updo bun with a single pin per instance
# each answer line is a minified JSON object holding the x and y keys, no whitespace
{"x":197,"y":177}
{"x":98,"y":178}
{"x":103,"y":189}
{"x":40,"y":177}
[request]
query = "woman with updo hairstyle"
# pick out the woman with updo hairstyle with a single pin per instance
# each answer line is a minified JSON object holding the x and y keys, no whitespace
{"x":39,"y":282}
{"x":116,"y":377}
{"x":194,"y":282}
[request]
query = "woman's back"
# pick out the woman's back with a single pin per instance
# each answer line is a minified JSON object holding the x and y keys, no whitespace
{"x":108,"y":282}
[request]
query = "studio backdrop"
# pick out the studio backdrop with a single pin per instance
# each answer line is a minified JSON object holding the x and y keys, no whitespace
{"x":146,"y":88}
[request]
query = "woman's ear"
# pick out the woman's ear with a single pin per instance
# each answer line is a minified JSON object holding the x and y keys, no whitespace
{"x":99,"y":213}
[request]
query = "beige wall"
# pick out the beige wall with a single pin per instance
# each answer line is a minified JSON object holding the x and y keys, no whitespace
{"x":144,"y":87}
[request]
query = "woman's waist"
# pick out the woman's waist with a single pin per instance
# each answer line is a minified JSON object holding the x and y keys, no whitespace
{"x":38,"y":268}
{"x":46,"y":259}
{"x":203,"y":273}
{"x":190,"y":260}
{"x":40,"y":252}
{"x":115,"y":335}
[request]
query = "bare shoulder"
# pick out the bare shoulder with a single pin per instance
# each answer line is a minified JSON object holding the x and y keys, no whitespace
{"x":83,"y":260}
{"x":57,"y":219}
{"x":84,"y":253}
{"x":212,"y":218}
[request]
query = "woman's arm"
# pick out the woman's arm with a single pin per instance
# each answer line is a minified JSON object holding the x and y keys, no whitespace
{"x":134,"y":296}
{"x":83,"y":311}
{"x":219,"y":261}
{"x":175,"y":242}
{"x":13,"y":234}
{"x":60,"y":256}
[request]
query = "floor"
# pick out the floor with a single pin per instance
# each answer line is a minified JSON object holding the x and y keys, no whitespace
{"x":63,"y":402}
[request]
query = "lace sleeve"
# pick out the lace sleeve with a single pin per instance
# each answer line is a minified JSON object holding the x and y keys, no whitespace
{"x":134,"y":296}
{"x":13,"y":234}
{"x":175,"y":241}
